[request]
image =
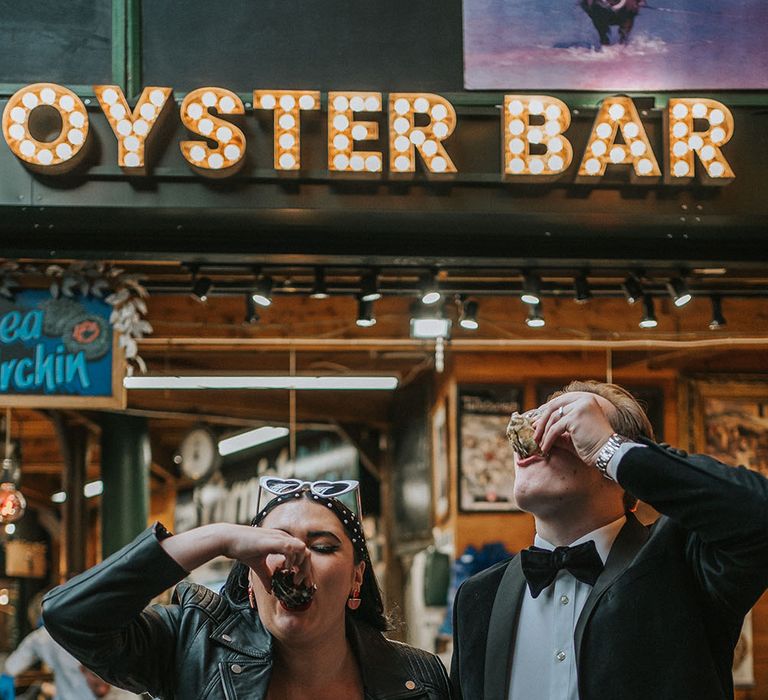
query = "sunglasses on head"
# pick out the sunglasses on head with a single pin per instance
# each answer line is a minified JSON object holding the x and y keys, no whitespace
{"x":276,"y":487}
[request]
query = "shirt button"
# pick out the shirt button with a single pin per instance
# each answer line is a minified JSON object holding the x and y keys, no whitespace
{"x":410,"y":685}
{"x":237,"y":668}
{"x":564,"y":599}
{"x":560,"y":656}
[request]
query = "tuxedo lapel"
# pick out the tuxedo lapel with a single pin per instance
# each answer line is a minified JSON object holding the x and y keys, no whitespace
{"x":628,"y":543}
{"x":502,"y":628}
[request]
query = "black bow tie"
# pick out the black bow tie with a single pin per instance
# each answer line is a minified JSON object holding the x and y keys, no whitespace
{"x":540,"y":566}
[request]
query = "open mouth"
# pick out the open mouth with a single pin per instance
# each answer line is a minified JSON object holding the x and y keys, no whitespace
{"x":296,"y":608}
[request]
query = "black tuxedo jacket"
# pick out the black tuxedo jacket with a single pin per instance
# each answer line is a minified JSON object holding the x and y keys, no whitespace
{"x":663,"y":618}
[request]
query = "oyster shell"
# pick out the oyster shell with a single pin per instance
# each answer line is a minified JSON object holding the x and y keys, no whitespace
{"x":520,"y":433}
{"x":288,"y":592}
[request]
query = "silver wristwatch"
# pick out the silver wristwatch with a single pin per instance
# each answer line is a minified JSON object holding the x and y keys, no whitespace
{"x":607,"y":451}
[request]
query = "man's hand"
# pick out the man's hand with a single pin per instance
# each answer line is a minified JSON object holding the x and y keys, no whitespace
{"x":578,"y":421}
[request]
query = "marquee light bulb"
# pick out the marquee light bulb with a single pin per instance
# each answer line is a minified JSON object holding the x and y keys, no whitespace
{"x":421,"y":105}
{"x":429,"y":148}
{"x":616,"y":111}
{"x":716,"y":170}
{"x":439,"y":112}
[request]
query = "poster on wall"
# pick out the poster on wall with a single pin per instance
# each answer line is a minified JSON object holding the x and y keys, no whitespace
{"x":486,"y":469}
{"x":616,"y":45}
{"x":731,"y":425}
{"x":58,"y":352}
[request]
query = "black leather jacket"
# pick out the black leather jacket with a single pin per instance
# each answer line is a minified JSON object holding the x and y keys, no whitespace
{"x":202,"y":646}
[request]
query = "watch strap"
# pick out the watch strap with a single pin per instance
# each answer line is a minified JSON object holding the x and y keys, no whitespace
{"x":609,"y":448}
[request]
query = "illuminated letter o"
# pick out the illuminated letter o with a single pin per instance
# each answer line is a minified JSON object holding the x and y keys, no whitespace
{"x":59,"y":154}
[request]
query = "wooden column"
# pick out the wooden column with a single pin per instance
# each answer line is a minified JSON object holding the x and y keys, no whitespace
{"x":73,"y":439}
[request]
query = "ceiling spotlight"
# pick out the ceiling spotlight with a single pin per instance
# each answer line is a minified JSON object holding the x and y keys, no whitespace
{"x":430,"y":293}
{"x":633,"y":290}
{"x":201,"y":287}
{"x":365,"y":315}
{"x":718,"y":320}
{"x":535,"y":319}
{"x":678,"y":290}
{"x":319,"y":289}
{"x":531,"y":293}
{"x":649,"y":313}
{"x":468,"y":318}
{"x":429,"y":323}
{"x":369,"y":286}
{"x":262,"y":291}
{"x":251,"y":314}
{"x":582,"y":292}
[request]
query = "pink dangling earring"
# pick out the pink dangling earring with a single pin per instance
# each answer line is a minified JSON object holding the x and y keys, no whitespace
{"x":353,"y":602}
{"x":251,"y":596}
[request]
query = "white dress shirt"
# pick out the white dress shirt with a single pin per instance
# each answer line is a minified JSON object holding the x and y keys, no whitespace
{"x":544,"y":659}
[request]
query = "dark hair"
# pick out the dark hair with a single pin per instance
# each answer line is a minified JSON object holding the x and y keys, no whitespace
{"x":628,"y":420}
{"x":371,"y":610}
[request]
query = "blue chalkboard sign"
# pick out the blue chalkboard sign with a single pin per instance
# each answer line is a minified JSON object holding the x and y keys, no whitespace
{"x":58,"y":352}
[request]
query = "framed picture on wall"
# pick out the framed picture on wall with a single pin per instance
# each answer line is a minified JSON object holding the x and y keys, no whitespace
{"x":651,"y":398}
{"x":486,"y":470}
{"x":730,"y":423}
{"x":440,"y":462}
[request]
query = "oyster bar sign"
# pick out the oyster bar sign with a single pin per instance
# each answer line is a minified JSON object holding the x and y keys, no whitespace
{"x":535,"y":144}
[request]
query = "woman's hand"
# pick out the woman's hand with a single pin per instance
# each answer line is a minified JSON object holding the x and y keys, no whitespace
{"x":577,"y":421}
{"x":265,"y":550}
{"x":250,"y":545}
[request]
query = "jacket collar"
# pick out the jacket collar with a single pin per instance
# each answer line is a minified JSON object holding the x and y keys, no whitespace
{"x":385,"y":675}
{"x":242,"y":631}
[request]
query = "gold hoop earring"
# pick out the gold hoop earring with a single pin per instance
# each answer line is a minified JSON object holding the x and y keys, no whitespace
{"x":353,"y":602}
{"x":251,"y":597}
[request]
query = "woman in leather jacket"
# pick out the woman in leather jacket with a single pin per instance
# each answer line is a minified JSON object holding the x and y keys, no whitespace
{"x":246,"y":642}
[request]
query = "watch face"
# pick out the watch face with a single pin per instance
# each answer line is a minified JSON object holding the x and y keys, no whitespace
{"x":199,"y":453}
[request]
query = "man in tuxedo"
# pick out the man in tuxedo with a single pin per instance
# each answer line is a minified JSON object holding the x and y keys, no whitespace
{"x":602,"y":607}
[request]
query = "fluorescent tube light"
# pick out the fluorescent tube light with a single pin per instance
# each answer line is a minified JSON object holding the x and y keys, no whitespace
{"x":243,"y":441}
{"x":261,"y":382}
